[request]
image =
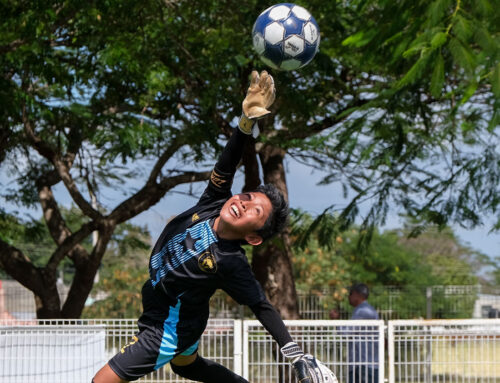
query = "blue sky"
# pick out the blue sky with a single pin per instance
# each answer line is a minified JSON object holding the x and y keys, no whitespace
{"x":304,"y":193}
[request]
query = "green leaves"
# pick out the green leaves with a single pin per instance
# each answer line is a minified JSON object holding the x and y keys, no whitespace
{"x":398,"y":89}
{"x":416,"y":71}
{"x":495,"y":80}
{"x":359,"y":39}
{"x":438,"y":40}
{"x":463,"y":55}
{"x":437,"y":79}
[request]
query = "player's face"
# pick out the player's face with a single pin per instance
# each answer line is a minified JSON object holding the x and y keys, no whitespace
{"x":245,"y":213}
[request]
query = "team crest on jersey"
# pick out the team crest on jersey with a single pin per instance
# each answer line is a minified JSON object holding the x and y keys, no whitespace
{"x":207,"y":263}
{"x":195,"y":217}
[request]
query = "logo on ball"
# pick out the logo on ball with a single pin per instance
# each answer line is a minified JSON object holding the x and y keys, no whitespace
{"x":286,"y":36}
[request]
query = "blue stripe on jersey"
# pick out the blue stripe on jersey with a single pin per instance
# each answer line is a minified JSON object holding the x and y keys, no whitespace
{"x":172,"y":254}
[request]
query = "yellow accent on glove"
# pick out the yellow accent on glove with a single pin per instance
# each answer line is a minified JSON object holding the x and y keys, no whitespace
{"x":246,"y":124}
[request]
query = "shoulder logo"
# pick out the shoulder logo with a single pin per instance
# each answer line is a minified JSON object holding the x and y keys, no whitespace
{"x":207,"y":263}
{"x":217,"y":179}
{"x":195,"y":217}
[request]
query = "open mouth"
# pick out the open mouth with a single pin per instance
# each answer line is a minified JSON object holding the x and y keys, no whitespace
{"x":235,"y":211}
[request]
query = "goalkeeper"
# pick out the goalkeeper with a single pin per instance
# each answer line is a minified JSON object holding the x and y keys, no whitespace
{"x":199,"y":252}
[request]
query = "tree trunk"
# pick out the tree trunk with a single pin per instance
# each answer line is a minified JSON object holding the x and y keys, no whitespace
{"x":249,"y":159}
{"x":271,"y":262}
{"x":85,"y":273}
{"x":79,"y":291}
{"x":47,"y":302}
{"x":41,"y":281}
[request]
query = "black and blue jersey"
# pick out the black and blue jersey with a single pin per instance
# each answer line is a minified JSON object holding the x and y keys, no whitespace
{"x":189,"y":262}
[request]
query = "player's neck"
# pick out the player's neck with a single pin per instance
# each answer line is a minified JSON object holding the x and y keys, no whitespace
{"x":225,"y":232}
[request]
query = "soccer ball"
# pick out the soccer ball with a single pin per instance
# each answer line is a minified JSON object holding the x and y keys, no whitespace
{"x":286,"y":36}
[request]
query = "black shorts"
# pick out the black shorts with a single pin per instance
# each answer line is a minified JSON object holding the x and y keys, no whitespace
{"x":157,"y":342}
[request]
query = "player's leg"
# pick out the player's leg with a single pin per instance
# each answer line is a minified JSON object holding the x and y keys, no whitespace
{"x":199,"y":369}
{"x":137,"y":358}
{"x":107,"y":375}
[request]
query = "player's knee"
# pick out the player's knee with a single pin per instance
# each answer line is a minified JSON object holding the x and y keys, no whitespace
{"x":184,"y":360}
{"x":196,"y":370}
{"x":186,"y":371}
{"x":107,"y":375}
{"x":203,"y":370}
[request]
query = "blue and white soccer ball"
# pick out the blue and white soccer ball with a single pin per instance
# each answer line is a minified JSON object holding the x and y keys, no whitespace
{"x":286,"y":36}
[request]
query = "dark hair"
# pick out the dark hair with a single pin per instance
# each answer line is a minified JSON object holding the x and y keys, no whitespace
{"x":278,"y":217}
{"x":361,"y":289}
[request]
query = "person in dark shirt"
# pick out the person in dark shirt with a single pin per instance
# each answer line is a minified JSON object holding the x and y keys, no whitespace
{"x":199,"y":252}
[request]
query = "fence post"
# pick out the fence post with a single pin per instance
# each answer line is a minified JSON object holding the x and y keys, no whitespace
{"x":246,"y":357}
{"x":238,"y":346}
{"x":381,"y":356}
{"x":429,"y":302}
{"x":390,"y":340}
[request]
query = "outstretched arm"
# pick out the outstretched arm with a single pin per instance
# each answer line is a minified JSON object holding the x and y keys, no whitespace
{"x":260,"y":95}
{"x":272,"y":322}
{"x":307,"y":368}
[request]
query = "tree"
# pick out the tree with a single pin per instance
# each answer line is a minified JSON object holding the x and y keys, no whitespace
{"x":384,"y":261}
{"x":88,"y":89}
{"x":122,"y":275}
{"x":495,"y":273}
{"x":28,"y":235}
{"x":453,"y":263}
{"x":398,"y":268}
{"x":421,"y":131}
{"x":81,"y":88}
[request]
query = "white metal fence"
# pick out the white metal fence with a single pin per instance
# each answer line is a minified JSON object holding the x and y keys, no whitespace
{"x":342,"y":345}
{"x":391,"y":302}
{"x":51,"y":351}
{"x":418,"y":351}
{"x":444,"y":351}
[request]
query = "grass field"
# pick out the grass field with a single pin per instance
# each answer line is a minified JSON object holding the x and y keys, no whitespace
{"x":445,"y":359}
{"x":467,"y":358}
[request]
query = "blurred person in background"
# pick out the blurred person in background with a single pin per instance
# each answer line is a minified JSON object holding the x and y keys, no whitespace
{"x":363,"y":346}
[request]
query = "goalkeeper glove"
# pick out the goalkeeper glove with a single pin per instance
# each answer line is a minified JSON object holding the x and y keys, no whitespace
{"x":307,"y":368}
{"x":260,"y":96}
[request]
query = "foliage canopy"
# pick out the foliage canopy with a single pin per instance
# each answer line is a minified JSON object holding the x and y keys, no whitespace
{"x":400,"y":107}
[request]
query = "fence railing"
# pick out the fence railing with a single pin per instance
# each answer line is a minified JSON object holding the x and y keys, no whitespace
{"x":391,"y":302}
{"x":444,"y":351}
{"x":418,"y":351}
{"x":410,"y":302}
{"x":52,"y":351}
{"x":340,"y":345}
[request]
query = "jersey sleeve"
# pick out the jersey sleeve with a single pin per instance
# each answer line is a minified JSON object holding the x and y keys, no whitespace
{"x":239,"y":282}
{"x":272,"y":322}
{"x":221,"y":178}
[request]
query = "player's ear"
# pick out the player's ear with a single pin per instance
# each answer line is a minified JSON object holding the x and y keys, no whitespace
{"x":253,"y":239}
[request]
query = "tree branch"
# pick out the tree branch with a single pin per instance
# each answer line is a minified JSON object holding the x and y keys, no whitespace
{"x":62,"y":167}
{"x":163,"y":159}
{"x":71,"y":243}
{"x":19,"y":267}
{"x":318,"y":127}
{"x":151,"y":193}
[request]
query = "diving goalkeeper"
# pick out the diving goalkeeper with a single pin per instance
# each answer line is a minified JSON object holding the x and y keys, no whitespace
{"x":199,"y":252}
